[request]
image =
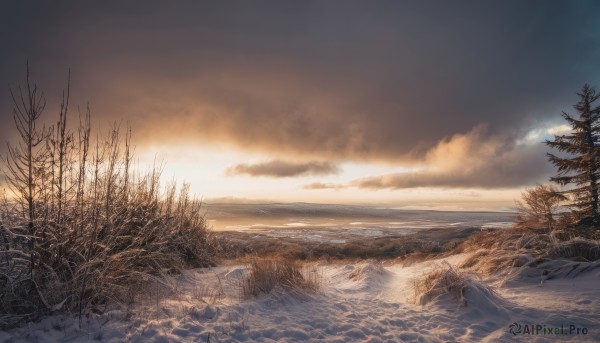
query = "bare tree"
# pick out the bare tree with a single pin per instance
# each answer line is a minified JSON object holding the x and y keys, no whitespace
{"x":83,"y":150}
{"x":538,"y":206}
{"x":81,"y":229}
{"x":27,"y":159}
{"x":63,"y":139}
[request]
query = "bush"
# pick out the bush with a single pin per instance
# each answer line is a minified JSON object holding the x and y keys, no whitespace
{"x":538,"y":207}
{"x":461,"y":287}
{"x":501,"y":252}
{"x":271,"y":274}
{"x":438,"y":282}
{"x":83,"y":231}
{"x":578,"y":249}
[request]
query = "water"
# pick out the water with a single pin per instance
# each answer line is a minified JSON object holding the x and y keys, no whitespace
{"x":316,"y":220}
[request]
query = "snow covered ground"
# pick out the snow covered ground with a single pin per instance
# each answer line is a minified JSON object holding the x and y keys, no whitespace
{"x":361,"y":302}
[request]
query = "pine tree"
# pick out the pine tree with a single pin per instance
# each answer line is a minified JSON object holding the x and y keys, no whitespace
{"x":581,"y":169}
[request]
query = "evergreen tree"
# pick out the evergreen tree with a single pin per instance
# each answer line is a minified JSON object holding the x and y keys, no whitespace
{"x":581,"y":169}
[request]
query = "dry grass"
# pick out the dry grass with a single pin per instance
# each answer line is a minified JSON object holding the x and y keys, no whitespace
{"x":269,"y":275}
{"x":504,"y":252}
{"x":83,"y":230}
{"x":442,"y":280}
{"x":577,"y":249}
{"x":417,"y":246}
{"x":91,"y":261}
{"x":446,"y":280}
{"x":363,"y":272}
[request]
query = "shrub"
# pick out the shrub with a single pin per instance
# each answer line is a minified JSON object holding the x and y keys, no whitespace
{"x":461,"y":287}
{"x":271,"y":274}
{"x":502,"y":252}
{"x":438,"y":282}
{"x":578,"y":249}
{"x":538,"y":207}
{"x":85,"y":231}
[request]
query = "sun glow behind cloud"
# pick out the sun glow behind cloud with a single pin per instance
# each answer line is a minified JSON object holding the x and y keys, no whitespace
{"x":546,"y":131}
{"x":205,"y":169}
{"x":319,"y":102}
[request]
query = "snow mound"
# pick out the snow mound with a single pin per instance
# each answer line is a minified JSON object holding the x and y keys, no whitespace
{"x":278,"y":276}
{"x":348,"y":267}
{"x":469,"y":299}
{"x":578,"y":249}
{"x":481,"y":301}
{"x":445,"y":285}
{"x":235,"y":273}
{"x":370,"y":271}
{"x":344,"y":310}
{"x":555,"y":269}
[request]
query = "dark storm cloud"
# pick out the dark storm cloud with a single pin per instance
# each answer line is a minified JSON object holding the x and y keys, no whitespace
{"x":278,"y":168}
{"x":511,"y":169}
{"x":476,"y":159}
{"x":382,"y":81}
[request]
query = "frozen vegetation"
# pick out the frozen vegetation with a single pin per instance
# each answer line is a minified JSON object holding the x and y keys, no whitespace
{"x":93,"y":250}
{"x":366,"y":301}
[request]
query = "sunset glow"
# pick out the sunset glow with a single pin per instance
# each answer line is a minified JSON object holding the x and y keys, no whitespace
{"x":304,"y":109}
{"x":299,"y":171}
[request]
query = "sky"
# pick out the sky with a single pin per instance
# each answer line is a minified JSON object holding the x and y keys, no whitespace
{"x":432,"y":104}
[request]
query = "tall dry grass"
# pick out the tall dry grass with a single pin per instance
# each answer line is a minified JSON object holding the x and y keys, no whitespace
{"x":446,"y":280}
{"x":268,"y":275}
{"x":90,"y":229}
{"x":438,"y":282}
{"x":500,"y":252}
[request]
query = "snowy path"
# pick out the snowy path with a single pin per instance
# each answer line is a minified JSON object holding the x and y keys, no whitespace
{"x":358,"y":303}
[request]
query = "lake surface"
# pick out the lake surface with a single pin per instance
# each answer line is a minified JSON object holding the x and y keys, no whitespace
{"x":302,"y":218}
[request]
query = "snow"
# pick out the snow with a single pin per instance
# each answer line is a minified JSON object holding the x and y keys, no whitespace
{"x":365,"y":301}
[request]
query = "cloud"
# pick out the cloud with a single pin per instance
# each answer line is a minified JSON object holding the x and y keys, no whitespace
{"x":236,"y":200}
{"x":279,"y":169}
{"x":321,"y":185}
{"x":471,"y":160}
{"x":315,"y":80}
{"x":559,"y":129}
